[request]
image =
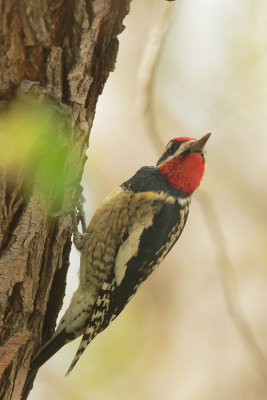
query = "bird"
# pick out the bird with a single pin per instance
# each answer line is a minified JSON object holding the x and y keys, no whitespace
{"x":130,"y":233}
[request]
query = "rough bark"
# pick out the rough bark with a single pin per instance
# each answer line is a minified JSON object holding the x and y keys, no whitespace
{"x":64,"y":50}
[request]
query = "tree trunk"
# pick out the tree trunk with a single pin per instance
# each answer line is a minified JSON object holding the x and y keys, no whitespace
{"x":62,"y":50}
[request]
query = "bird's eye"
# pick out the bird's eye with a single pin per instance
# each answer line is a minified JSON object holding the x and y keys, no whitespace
{"x":172,"y":147}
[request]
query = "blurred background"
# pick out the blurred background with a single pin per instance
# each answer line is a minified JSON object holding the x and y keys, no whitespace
{"x":176,"y":339}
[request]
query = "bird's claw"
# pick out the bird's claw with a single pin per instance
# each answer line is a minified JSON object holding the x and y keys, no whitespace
{"x":77,"y":213}
{"x":81,"y":214}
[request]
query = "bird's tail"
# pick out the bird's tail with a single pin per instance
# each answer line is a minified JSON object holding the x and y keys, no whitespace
{"x":46,"y":352}
{"x":50,"y":348}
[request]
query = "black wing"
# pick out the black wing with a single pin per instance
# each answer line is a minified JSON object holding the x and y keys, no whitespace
{"x":155,"y":243}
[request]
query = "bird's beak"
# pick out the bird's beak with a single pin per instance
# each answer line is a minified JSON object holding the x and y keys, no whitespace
{"x":199,"y":145}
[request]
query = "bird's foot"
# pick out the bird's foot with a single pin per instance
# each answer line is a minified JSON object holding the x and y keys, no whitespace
{"x":77,"y":215}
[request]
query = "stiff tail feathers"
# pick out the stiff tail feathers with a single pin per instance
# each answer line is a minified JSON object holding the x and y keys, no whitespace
{"x":49,"y":349}
{"x":46,"y":352}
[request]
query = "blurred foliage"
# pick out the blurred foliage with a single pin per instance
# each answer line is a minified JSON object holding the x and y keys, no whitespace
{"x":35,"y":139}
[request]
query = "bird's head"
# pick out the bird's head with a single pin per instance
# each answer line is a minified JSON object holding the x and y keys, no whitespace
{"x":183,"y":163}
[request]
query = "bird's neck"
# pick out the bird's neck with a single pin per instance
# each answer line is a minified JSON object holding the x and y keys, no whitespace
{"x":184,"y":174}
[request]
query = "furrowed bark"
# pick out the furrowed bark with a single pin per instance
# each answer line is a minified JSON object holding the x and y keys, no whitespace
{"x":62,"y":50}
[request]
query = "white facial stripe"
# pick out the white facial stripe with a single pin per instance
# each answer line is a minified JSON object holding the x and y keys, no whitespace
{"x":183,"y":147}
{"x":167,"y":159}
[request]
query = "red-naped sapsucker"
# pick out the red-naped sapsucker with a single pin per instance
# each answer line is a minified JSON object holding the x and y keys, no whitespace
{"x":130,"y":233}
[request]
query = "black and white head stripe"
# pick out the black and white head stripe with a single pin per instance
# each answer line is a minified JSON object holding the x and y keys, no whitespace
{"x":175,"y":148}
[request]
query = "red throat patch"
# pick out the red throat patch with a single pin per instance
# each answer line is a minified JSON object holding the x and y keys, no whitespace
{"x":184,"y":174}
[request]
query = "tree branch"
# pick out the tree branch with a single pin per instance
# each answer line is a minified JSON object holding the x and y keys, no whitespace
{"x":62,"y":50}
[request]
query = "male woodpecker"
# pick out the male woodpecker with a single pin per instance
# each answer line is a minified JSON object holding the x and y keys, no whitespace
{"x":130,"y":233}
